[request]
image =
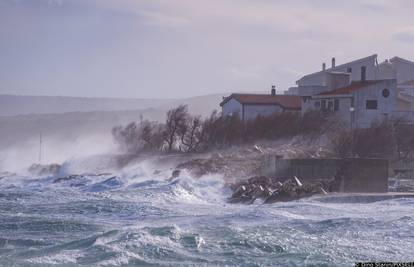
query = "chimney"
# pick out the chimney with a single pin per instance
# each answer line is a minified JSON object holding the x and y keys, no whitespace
{"x":324,"y":66}
{"x":363,"y":73}
{"x":273,"y":92}
{"x":333,"y":62}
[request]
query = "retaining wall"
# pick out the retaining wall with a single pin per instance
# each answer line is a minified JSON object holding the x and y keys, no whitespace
{"x":360,"y":175}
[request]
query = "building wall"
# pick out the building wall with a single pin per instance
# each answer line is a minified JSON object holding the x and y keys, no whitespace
{"x":336,"y":80}
{"x":292,"y":91}
{"x":343,"y":112}
{"x":406,"y":89}
{"x":404,"y":105}
{"x":232,"y":107}
{"x":386,"y":71}
{"x":361,"y":175}
{"x":252,"y":111}
{"x":404,"y":70}
{"x":361,"y":117}
{"x":364,"y":117}
{"x":317,"y":79}
{"x":311,"y":90}
{"x":355,"y":74}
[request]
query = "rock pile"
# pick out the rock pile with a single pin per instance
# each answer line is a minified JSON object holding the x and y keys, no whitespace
{"x":271,"y":190}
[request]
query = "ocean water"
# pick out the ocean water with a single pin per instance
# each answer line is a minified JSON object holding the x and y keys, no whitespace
{"x":134,"y":217}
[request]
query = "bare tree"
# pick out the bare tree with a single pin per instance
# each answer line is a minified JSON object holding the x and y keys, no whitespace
{"x":151,"y":135}
{"x":176,"y":121}
{"x":128,"y":137}
{"x":137,"y":137}
{"x":192,"y":135}
{"x":376,"y":141}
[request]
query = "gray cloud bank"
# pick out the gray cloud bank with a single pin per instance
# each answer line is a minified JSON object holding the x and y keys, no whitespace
{"x":179,"y":48}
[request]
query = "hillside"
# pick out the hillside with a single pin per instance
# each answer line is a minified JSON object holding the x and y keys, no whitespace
{"x":80,"y":131}
{"x":11,"y":105}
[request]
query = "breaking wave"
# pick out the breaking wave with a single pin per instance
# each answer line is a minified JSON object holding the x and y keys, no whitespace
{"x":138,"y":216}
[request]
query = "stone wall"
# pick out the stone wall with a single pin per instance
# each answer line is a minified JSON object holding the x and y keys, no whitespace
{"x":360,"y":175}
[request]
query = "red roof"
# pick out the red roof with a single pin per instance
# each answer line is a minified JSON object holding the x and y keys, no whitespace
{"x":409,"y":83}
{"x":286,"y":101}
{"x":354,"y":86}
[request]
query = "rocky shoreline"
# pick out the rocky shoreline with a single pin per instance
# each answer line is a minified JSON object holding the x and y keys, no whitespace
{"x":270,"y":190}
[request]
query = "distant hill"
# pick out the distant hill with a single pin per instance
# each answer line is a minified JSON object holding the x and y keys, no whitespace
{"x":198,"y":105}
{"x":11,"y":105}
{"x":81,"y":122}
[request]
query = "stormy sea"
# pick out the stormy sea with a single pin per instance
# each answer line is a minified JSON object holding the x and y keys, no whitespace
{"x":136,"y":216}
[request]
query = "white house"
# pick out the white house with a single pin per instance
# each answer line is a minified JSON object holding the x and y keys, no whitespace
{"x":359,"y":92}
{"x":363,"y":102}
{"x":366,"y":68}
{"x":407,"y":87}
{"x":249,"y":106}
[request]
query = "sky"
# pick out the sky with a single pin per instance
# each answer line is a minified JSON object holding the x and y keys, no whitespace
{"x":183,"y":48}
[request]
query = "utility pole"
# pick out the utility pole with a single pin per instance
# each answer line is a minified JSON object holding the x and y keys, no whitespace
{"x":40,"y":147}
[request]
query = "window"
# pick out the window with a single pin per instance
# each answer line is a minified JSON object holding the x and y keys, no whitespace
{"x":306,"y":98}
{"x":330,"y":105}
{"x":336,"y":104}
{"x":349,"y":70}
{"x":385,"y":92}
{"x":323,"y":104}
{"x":363,"y":73}
{"x":371,"y":104}
{"x":317,"y":104}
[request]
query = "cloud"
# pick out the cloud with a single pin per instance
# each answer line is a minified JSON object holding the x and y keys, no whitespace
{"x":55,"y":2}
{"x":377,"y":5}
{"x":291,"y":72}
{"x":405,"y":34}
{"x":163,"y":20}
{"x":121,"y":45}
{"x":245,"y":72}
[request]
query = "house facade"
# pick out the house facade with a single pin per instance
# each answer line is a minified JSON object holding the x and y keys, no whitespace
{"x":359,"y":93}
{"x":366,"y":68}
{"x":249,"y":106}
{"x":363,"y":102}
{"x":407,"y":87}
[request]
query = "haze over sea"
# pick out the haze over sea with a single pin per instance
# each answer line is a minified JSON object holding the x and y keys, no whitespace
{"x":134,"y":217}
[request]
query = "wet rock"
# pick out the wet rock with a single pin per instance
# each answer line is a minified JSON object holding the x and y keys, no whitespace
{"x":258,"y":149}
{"x":176,"y":173}
{"x":66,"y":178}
{"x":271,"y":191}
{"x":5,"y":174}
{"x":108,"y":184}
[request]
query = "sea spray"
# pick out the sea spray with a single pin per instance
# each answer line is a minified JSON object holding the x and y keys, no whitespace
{"x":137,"y":215}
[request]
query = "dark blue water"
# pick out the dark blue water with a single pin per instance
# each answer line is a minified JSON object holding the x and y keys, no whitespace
{"x":135,"y":218}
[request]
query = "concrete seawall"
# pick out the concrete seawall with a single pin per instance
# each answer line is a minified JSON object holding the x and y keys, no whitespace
{"x":359,"y":175}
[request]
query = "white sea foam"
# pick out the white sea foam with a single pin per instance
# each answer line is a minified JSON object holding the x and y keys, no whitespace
{"x":165,"y":221}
